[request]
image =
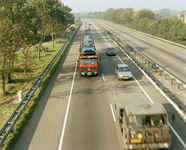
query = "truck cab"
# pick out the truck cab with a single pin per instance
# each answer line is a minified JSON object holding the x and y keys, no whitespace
{"x":144,"y":125}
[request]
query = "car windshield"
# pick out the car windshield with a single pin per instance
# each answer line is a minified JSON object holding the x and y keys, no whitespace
{"x":147,"y":121}
{"x":122,"y":69}
{"x":85,"y":61}
{"x":111,"y":49}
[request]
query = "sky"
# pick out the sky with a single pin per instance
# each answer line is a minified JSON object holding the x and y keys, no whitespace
{"x":80,"y":6}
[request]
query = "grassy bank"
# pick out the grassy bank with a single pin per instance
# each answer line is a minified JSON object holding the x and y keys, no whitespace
{"x":22,"y":82}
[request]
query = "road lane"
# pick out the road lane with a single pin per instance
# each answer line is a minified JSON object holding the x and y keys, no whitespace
{"x":43,"y":130}
{"x":157,"y":98}
{"x":151,"y":48}
{"x":90,"y":123}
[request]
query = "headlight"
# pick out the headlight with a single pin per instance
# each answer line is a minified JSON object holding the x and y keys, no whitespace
{"x":130,"y":146}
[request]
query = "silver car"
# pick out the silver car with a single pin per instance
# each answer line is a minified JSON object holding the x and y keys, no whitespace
{"x":123,"y":72}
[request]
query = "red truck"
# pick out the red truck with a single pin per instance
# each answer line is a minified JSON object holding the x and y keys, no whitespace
{"x":88,"y":58}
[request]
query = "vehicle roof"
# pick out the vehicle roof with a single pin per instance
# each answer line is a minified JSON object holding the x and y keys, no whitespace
{"x":122,"y":65}
{"x":145,"y":108}
{"x":127,"y":98}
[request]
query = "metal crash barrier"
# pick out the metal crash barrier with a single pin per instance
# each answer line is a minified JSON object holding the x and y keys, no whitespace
{"x":7,"y":127}
{"x":160,"y":71}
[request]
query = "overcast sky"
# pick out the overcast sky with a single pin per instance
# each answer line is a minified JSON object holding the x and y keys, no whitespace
{"x":79,"y":6}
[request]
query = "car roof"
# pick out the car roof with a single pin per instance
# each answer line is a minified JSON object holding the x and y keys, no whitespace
{"x":122,"y":65}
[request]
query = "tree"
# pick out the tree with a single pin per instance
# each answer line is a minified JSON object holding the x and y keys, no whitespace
{"x":52,"y":16}
{"x":164,"y":13}
{"x":127,"y":15}
{"x":12,"y":31}
{"x":143,"y":13}
{"x":182,"y":33}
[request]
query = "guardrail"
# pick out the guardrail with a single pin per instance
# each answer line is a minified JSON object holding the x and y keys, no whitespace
{"x":150,"y":62}
{"x":177,"y":44}
{"x":7,"y":127}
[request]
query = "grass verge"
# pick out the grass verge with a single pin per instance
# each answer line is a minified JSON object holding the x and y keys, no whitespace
{"x":25,"y":84}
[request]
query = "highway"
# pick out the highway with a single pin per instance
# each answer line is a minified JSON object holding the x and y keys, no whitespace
{"x":76,"y":113}
{"x":160,"y":52}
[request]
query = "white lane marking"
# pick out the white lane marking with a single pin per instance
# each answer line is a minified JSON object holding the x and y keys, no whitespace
{"x":153,"y":102}
{"x":112,"y":112}
{"x":102,"y":35}
{"x":168,"y":123}
{"x":83,"y":32}
{"x":67,"y":110}
{"x":120,"y":59}
{"x":167,"y":49}
{"x":103,"y":77}
{"x":143,"y":90}
{"x":149,"y":97}
{"x":177,"y":136}
{"x":171,"y":51}
{"x":163,"y":56}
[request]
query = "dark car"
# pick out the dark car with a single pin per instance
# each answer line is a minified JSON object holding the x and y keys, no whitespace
{"x":110,"y":51}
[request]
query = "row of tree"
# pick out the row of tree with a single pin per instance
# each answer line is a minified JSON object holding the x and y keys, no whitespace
{"x":24,"y":23}
{"x":145,"y":20}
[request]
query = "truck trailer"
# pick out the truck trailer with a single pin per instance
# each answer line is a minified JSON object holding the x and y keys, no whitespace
{"x":88,"y":57}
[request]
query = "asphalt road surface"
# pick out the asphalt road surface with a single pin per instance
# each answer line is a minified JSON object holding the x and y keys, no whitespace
{"x":169,"y":57}
{"x":76,"y":113}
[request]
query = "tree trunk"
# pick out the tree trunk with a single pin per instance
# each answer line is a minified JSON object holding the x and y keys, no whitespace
{"x":52,"y":38}
{"x":39,"y":47}
{"x":3,"y":84}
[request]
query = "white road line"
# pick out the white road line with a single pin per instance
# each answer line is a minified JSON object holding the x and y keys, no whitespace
{"x":112,"y":112}
{"x":103,"y":77}
{"x":102,"y":36}
{"x":153,"y":102}
{"x":120,"y":59}
{"x":167,"y":49}
{"x":177,"y":136}
{"x":143,"y":90}
{"x":67,"y":110}
{"x":182,"y":142}
{"x":163,"y":56}
{"x":147,"y":96}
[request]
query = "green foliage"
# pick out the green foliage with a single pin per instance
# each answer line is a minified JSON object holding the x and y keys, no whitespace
{"x":24,"y":24}
{"x":165,"y":13}
{"x":182,"y":33}
{"x":145,"y":20}
{"x":24,"y":118}
{"x":143,"y":13}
